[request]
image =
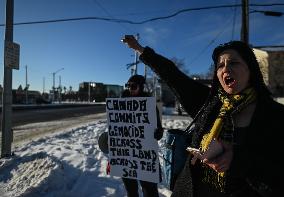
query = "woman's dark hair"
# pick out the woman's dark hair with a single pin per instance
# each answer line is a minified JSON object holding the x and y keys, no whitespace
{"x":247,"y":54}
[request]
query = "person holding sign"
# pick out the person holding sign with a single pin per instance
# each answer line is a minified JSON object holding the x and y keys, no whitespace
{"x":135,"y":88}
{"x":235,"y":148}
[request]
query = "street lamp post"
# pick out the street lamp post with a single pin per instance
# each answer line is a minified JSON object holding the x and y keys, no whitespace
{"x":59,"y":90}
{"x":89,"y":90}
{"x":26,"y":88}
{"x":53,"y":86}
{"x":43,"y":85}
{"x":136,"y":57}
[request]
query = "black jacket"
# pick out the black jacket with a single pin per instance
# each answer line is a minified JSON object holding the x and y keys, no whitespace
{"x":256,"y":164}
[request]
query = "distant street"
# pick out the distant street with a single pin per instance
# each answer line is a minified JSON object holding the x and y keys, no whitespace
{"x":29,"y":124}
{"x":21,"y":117}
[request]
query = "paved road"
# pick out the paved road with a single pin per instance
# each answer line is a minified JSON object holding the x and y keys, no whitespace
{"x":21,"y":117}
{"x":34,"y":123}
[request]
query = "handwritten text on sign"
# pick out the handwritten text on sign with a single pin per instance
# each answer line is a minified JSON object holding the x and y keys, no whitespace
{"x":133,"y":151}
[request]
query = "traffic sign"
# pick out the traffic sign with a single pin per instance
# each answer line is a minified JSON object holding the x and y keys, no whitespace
{"x":12,"y":55}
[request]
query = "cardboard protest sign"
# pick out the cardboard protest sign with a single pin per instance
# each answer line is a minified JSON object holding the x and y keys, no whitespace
{"x":133,"y":151}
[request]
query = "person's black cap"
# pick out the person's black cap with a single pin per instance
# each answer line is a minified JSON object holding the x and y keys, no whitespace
{"x":139,"y":79}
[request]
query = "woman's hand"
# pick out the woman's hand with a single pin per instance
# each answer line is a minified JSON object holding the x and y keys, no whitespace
{"x":221,"y":163}
{"x":132,"y":43}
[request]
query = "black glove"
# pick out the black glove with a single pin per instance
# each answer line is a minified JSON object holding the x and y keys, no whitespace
{"x":158,"y":133}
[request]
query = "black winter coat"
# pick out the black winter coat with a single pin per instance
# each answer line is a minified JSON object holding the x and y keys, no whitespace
{"x":256,"y":166}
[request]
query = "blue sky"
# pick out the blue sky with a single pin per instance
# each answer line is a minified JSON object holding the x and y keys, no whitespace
{"x":90,"y":50}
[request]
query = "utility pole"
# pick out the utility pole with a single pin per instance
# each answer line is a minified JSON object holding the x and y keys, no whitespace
{"x":7,"y":133}
{"x":43,"y":85}
{"x":26,"y":84}
{"x":154,"y":85}
{"x":59,"y":89}
{"x":245,"y":21}
{"x":136,"y":58}
{"x":53,"y":87}
{"x":145,"y":71}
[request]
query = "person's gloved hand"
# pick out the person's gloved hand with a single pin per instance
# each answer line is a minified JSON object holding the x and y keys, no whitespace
{"x":132,"y":43}
{"x":158,"y":134}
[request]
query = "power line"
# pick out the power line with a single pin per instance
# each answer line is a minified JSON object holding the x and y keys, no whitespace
{"x":210,"y":43}
{"x":108,"y":14}
{"x":140,"y":22}
{"x":72,"y":19}
{"x":268,"y":13}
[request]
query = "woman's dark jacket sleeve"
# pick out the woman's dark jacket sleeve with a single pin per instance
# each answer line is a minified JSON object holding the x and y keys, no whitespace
{"x":190,"y":93}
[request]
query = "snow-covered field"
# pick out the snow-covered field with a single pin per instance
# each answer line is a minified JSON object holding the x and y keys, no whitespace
{"x":68,"y":164}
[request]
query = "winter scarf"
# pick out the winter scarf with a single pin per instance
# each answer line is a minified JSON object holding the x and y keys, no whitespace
{"x":223,"y":129}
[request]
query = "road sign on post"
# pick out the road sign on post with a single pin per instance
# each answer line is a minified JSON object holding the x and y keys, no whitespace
{"x":12,"y":54}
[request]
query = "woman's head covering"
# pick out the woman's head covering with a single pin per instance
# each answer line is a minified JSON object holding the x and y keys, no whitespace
{"x":247,"y":54}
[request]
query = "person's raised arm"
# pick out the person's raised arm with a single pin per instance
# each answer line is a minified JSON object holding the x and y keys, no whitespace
{"x":189,"y":92}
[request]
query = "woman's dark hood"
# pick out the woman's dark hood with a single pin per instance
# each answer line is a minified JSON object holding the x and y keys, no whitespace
{"x":210,"y":109}
{"x":247,"y":54}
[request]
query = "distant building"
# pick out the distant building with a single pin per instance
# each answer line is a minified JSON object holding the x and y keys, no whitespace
{"x":24,"y":96}
{"x":113,"y":91}
{"x":92,"y":91}
{"x":19,"y":97}
{"x":271,"y":62}
{"x":98,"y":92}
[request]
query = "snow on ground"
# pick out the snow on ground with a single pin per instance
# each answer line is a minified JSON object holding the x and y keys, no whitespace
{"x":68,"y":164}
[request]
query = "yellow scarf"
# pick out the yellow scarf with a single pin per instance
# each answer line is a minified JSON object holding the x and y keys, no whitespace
{"x":230,"y":104}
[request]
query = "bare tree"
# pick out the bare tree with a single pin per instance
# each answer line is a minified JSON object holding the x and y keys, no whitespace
{"x":180,"y":64}
{"x":209,"y":74}
{"x":206,"y":75}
